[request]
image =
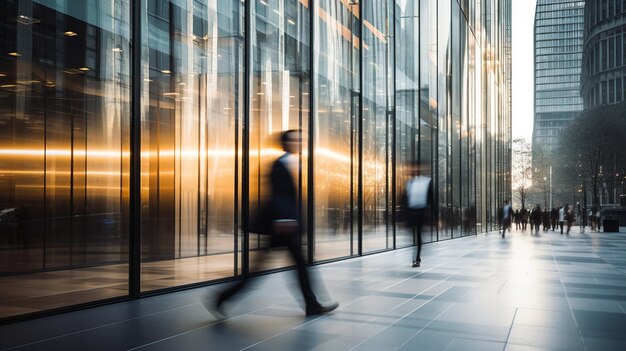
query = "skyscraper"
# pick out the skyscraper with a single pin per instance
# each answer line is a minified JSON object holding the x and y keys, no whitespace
{"x":604,"y":65}
{"x":558,"y":54}
{"x":602,"y":86}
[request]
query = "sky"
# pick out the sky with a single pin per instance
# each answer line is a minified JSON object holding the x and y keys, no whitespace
{"x":523,"y":71}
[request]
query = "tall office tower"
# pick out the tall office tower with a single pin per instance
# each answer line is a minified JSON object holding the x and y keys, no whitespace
{"x":558,"y":54}
{"x":603,"y":80}
{"x":603,"y":76}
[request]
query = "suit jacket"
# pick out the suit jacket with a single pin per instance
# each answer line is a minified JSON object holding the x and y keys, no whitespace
{"x":284,"y":196}
{"x":414,"y":216}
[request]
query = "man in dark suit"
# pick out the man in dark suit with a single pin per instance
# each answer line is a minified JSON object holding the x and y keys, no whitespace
{"x":283,"y":217}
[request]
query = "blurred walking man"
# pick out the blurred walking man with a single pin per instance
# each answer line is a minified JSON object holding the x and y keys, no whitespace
{"x":506,"y":217}
{"x":282,"y":218}
{"x":419,"y":195}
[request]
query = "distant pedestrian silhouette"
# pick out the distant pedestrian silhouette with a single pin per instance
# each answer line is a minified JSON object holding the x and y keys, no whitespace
{"x":535,"y":219}
{"x":562,"y":217}
{"x":554,"y":217}
{"x":507,"y":211}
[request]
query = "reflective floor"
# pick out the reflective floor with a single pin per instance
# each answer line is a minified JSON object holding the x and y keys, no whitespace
{"x":546,"y":292}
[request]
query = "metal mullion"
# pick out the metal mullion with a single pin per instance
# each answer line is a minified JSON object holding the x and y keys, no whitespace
{"x":134,"y":286}
{"x":311,"y":139}
{"x":245,"y":181}
{"x":434,"y":211}
{"x":360,"y":138}
{"x":394,"y":131}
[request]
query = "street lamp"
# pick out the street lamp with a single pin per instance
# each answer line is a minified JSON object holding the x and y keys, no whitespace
{"x":550,"y":187}
{"x":545,"y":202}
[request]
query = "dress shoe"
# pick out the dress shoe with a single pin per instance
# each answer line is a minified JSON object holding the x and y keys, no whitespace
{"x":321,"y":309}
{"x":216,"y":308}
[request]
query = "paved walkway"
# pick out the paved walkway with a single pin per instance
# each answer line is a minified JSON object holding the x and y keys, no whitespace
{"x":547,"y":292}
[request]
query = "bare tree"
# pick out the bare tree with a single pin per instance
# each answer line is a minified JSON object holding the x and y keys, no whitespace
{"x":542,"y":159}
{"x":522,"y":169}
{"x":592,"y":144}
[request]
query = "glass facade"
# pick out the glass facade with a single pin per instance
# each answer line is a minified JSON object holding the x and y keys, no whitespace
{"x":604,"y":60}
{"x":65,"y":80}
{"x":198,"y":104}
{"x":558,"y":55}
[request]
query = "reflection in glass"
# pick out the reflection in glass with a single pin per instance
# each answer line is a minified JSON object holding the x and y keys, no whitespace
{"x":455,"y":122}
{"x":428,"y":102}
{"x":407,"y":104}
{"x":280,"y":94}
{"x":192,"y":103}
{"x":376,"y":126}
{"x":335,"y":120}
{"x":443,"y":96}
{"x":64,"y":158}
{"x":480,"y":184}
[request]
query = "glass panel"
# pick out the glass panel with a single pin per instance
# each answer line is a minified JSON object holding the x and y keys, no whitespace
{"x":335,"y":119}
{"x":443,"y":69}
{"x":376,"y":153}
{"x":280,"y":96}
{"x":64,"y":158}
{"x":407,"y":102}
{"x":611,"y":53}
{"x":481,"y":189}
{"x":192,"y":102}
{"x":465,"y":215}
{"x":455,"y":120}
{"x":604,"y":53}
{"x":428,"y":95}
{"x":619,"y":50}
{"x":473,"y":125}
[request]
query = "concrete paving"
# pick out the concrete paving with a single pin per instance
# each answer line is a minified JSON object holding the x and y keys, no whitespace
{"x":523,"y":292}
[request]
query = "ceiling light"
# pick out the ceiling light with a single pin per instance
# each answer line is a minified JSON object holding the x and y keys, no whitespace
{"x":69,"y":33}
{"x":166,"y":71}
{"x":22,"y":19}
{"x":15,"y":54}
{"x":84,"y":69}
{"x":73,"y":71}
